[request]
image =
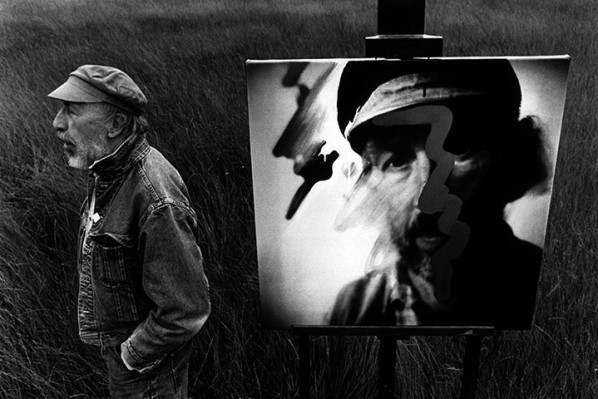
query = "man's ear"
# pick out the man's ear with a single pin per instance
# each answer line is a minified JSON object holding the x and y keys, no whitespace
{"x":118,"y":125}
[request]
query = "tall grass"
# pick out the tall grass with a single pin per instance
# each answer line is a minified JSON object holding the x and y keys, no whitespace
{"x":188,"y":57}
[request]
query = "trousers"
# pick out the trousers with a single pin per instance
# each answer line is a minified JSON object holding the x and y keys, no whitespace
{"x":169,"y":379}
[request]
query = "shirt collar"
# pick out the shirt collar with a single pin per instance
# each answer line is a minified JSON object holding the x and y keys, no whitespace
{"x":121,"y":159}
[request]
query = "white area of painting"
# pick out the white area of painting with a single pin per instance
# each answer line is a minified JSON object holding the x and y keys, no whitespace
{"x":303,"y":262}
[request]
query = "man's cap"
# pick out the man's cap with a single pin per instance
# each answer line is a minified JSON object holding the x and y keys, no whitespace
{"x":97,"y":83}
{"x":368,"y":89}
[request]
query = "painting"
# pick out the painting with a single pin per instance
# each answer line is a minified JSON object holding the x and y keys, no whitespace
{"x":403,"y":192}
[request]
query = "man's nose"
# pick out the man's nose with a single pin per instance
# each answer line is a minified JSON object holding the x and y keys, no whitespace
{"x":59,"y":122}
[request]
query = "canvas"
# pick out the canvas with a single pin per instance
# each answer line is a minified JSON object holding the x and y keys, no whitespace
{"x":403,"y":193}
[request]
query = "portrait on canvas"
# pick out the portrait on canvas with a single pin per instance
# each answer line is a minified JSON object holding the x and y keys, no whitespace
{"x":403,"y":193}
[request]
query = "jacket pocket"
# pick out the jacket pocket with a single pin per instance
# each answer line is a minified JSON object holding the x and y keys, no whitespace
{"x":113,"y":274}
{"x":113,"y":259}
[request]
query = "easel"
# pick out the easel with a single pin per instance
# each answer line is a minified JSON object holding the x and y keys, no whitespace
{"x":400,"y":35}
{"x":388,"y":337}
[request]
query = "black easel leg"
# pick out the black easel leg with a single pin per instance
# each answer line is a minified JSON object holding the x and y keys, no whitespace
{"x":471,"y":363}
{"x":303,"y":366}
{"x":386,"y":373}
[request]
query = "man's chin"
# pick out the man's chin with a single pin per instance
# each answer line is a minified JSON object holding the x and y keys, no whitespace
{"x":77,"y":163}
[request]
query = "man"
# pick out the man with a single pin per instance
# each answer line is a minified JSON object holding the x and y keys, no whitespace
{"x":444,"y":151}
{"x":142,"y":290}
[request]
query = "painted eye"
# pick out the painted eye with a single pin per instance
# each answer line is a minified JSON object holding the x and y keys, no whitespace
{"x":465,"y":156}
{"x":395,"y":162}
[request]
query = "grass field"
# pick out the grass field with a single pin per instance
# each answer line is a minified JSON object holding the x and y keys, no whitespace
{"x":189,"y":58}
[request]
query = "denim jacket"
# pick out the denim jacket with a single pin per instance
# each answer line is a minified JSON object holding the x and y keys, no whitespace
{"x":141,"y":279}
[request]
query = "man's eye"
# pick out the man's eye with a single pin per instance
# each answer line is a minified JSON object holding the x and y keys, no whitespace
{"x":70,"y":109}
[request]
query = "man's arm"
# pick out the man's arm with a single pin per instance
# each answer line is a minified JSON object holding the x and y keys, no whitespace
{"x":174,"y":280}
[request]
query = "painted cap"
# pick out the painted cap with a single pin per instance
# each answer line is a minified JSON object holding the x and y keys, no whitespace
{"x":475,"y":87}
{"x":97,"y":83}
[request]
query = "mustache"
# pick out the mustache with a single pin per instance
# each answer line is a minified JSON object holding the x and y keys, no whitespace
{"x":65,"y":140}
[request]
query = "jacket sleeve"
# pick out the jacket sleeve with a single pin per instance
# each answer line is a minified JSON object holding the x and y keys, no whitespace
{"x":174,"y":281}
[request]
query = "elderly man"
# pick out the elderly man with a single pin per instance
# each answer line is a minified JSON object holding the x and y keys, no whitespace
{"x":444,"y":151}
{"x":143,"y":293}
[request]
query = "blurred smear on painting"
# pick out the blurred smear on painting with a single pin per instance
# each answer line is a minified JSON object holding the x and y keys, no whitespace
{"x":306,"y":135}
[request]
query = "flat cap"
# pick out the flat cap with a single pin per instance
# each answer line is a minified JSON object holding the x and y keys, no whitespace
{"x":97,"y":83}
{"x":368,"y":89}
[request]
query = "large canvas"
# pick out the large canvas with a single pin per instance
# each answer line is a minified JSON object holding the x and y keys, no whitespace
{"x":403,"y":193}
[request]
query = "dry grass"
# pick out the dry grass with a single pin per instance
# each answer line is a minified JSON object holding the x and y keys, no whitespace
{"x":190,"y":56}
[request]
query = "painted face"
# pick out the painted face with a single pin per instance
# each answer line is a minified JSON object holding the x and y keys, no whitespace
{"x":408,"y":185}
{"x":83,"y":129}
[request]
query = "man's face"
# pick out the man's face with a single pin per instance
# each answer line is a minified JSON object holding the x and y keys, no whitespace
{"x":83,"y":128}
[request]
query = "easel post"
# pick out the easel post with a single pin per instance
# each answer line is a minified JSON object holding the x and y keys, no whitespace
{"x":304,"y":365}
{"x":387,"y":355}
{"x":387,"y":361}
{"x":401,"y":17}
{"x":401,"y":32}
{"x":471,"y":363}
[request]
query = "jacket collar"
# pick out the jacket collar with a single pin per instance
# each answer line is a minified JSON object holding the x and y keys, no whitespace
{"x":122,"y":159}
